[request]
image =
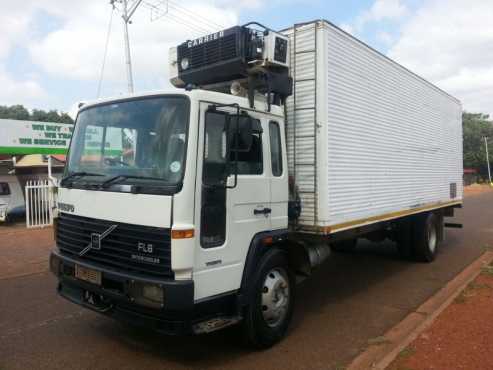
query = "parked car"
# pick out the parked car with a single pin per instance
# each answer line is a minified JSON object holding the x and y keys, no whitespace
{"x":12,"y":205}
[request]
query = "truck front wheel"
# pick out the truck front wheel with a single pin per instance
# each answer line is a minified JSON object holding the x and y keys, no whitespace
{"x":269,"y":313}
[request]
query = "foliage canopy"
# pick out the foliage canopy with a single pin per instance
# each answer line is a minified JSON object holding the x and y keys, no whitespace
{"x":475,"y":127}
{"x":21,"y":113}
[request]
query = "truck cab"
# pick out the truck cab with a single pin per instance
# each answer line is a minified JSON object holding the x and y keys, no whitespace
{"x":165,"y":195}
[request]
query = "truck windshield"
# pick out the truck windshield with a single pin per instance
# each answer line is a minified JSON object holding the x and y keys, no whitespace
{"x":134,"y":139}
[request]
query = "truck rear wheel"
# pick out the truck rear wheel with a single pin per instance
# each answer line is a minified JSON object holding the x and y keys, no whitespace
{"x":269,"y":313}
{"x":426,"y":237}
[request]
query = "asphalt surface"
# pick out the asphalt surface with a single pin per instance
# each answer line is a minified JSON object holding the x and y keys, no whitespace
{"x":351,"y":300}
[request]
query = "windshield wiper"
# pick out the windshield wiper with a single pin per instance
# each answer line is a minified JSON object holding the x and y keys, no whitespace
{"x":119,"y":178}
{"x":78,"y":174}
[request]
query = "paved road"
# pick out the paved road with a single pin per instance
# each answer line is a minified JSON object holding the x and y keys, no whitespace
{"x":354,"y":298}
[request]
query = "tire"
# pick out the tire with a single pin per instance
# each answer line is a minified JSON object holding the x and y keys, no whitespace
{"x":264,"y":324}
{"x":344,"y":246}
{"x":425,"y":237}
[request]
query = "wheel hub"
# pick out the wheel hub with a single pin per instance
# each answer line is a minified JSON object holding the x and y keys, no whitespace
{"x":275,"y":297}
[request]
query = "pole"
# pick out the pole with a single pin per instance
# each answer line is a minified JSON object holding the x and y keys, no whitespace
{"x":487,"y":158}
{"x":126,"y":15}
{"x":53,"y":180}
{"x":128,"y":60}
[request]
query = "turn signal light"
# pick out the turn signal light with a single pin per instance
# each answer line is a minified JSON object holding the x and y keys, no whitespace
{"x":182,"y":234}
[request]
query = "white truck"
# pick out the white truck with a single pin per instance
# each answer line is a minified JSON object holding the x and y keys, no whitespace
{"x":279,"y":147}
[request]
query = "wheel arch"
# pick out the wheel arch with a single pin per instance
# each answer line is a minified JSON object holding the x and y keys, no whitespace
{"x":260,"y":244}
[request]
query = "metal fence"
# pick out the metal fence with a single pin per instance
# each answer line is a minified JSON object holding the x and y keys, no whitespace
{"x":39,"y":203}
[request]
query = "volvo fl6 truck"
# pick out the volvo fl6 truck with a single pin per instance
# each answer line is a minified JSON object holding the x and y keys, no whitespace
{"x":192,"y":210}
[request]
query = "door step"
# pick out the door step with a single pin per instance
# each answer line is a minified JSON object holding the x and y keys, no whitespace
{"x":217,"y":323}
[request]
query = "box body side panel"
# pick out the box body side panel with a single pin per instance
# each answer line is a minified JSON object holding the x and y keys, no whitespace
{"x":394,"y":141}
{"x":388,"y":141}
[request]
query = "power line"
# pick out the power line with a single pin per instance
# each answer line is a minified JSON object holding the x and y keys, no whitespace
{"x":108,"y":32}
{"x":194,"y":29}
{"x":156,"y":11}
{"x":197,"y":16}
{"x":159,"y":13}
{"x":198,"y":19}
{"x":186,"y":22}
{"x":184,"y":16}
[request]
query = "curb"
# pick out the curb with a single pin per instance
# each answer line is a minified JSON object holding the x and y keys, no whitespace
{"x":378,"y":357}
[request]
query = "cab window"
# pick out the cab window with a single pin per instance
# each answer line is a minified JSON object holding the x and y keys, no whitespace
{"x":251,"y":162}
{"x":275,"y":148}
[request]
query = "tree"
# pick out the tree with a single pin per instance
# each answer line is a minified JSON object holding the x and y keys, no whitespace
{"x":14,"y":112}
{"x":39,"y":115}
{"x":21,"y":113}
{"x":475,"y":127}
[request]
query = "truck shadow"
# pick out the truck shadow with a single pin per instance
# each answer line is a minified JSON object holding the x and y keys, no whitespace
{"x":351,"y":298}
{"x":328,"y":291}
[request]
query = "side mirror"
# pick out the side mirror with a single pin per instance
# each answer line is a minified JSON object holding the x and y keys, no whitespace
{"x":240,"y":133}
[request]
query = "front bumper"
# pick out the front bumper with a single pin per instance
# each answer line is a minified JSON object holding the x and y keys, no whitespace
{"x":112,"y":298}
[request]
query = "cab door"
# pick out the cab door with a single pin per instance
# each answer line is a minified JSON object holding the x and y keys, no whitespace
{"x":229,"y":216}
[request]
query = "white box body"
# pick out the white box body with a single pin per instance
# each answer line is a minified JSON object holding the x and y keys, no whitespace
{"x":368,"y":140}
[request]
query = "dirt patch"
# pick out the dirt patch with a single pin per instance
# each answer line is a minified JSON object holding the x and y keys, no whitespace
{"x":24,"y":251}
{"x":6,"y":229}
{"x":461,"y":336}
{"x":476,"y":189}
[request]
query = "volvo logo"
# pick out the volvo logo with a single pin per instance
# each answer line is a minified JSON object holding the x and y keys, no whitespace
{"x":96,"y":238}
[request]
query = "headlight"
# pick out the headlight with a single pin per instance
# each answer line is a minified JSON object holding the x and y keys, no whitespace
{"x":147,"y":294}
{"x":185,"y":63}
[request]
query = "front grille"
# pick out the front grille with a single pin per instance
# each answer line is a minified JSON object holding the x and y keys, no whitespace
{"x":119,"y":249}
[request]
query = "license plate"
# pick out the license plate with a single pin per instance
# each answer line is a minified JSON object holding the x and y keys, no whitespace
{"x":89,"y":275}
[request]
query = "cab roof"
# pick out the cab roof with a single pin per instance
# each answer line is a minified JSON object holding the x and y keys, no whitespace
{"x":195,"y":95}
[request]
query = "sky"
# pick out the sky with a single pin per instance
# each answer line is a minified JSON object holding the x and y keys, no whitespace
{"x":52,"y":51}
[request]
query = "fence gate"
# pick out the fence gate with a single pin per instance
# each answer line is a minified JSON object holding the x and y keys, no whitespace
{"x":39,"y":203}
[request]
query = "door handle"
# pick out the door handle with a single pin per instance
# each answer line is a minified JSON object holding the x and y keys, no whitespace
{"x":264,"y":211}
